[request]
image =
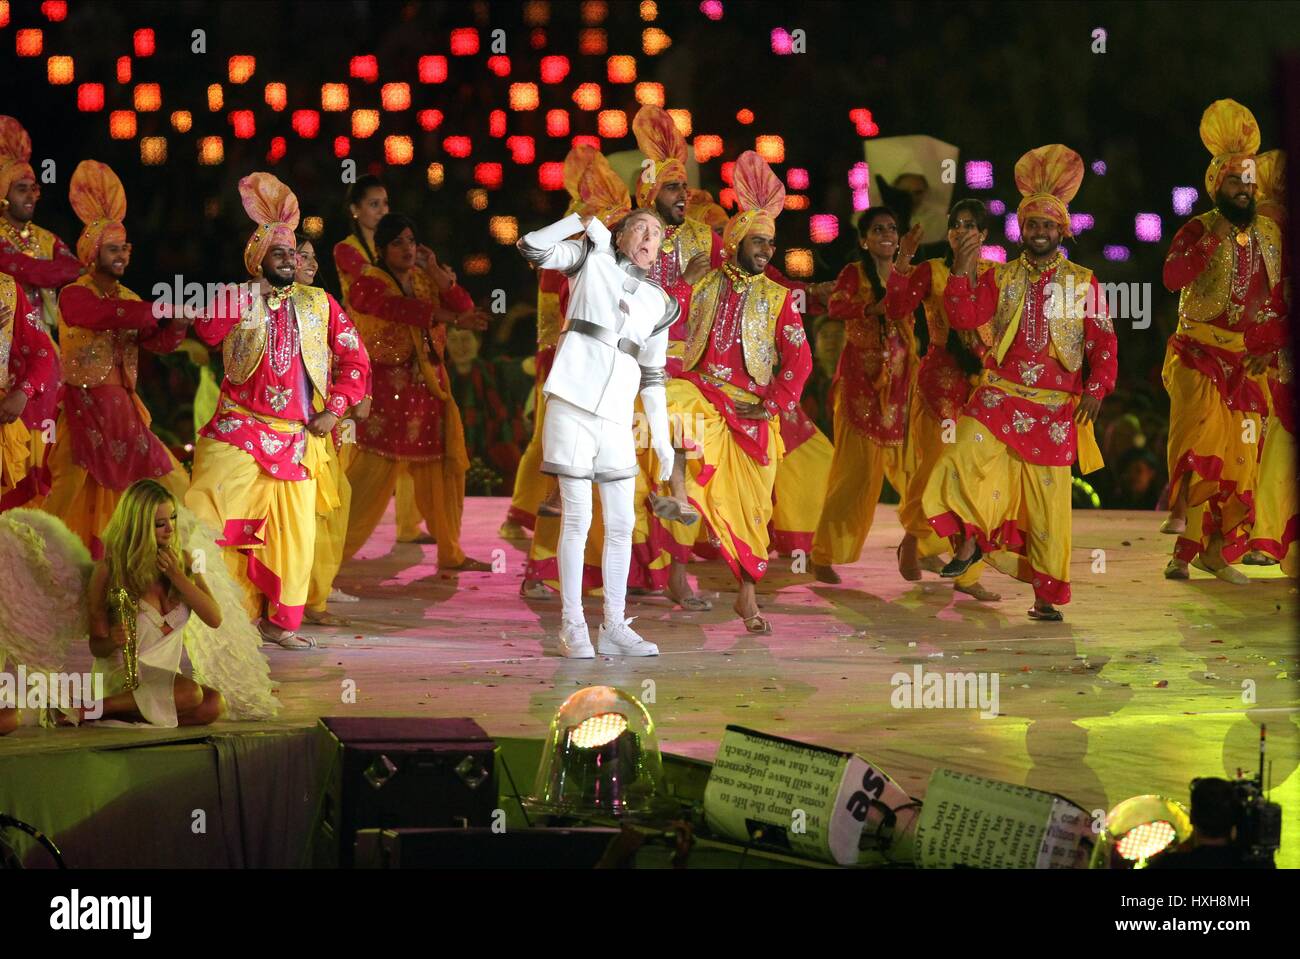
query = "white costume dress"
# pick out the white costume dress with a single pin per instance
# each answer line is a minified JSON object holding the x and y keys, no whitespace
{"x":613,"y":346}
{"x":161,"y":639}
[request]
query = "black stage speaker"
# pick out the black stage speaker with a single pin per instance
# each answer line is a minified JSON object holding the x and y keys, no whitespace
{"x":481,"y":848}
{"x":401,"y":772}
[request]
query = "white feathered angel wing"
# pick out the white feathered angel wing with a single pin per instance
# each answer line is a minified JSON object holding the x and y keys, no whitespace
{"x":44,"y":570}
{"x":228,"y":658}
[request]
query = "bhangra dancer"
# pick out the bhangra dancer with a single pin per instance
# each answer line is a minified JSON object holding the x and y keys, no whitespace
{"x":402,"y":308}
{"x":368,"y":204}
{"x":1005,"y":483}
{"x":1228,"y":267}
{"x":293,"y":366}
{"x":35,"y":257}
{"x":1277,"y":526}
{"x":948,"y":364}
{"x":29,"y":387}
{"x":612,"y":350}
{"x":103,"y":442}
{"x":745,"y":363}
{"x":331,"y":526}
{"x":872,"y":393}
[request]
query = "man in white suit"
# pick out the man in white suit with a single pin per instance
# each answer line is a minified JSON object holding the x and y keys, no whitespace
{"x":613,"y":347}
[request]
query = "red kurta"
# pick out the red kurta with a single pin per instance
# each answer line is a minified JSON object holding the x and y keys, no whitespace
{"x":667,"y":272}
{"x":940,"y":381}
{"x":875,"y":370}
{"x":33,"y":362}
{"x":723,"y":361}
{"x":1040,"y":434}
{"x":280,"y":389}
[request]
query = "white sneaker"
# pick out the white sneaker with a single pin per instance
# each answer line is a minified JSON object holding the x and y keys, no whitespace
{"x":338,"y":596}
{"x":575,"y":641}
{"x":621,"y":640}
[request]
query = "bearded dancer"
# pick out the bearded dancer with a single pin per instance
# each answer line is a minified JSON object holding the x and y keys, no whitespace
{"x":661,"y":549}
{"x":402,"y":308}
{"x":745,"y":363}
{"x":103,"y":442}
{"x":943,"y":384}
{"x":29,"y":387}
{"x":1005,"y":483}
{"x":1216,"y":387}
{"x":1277,"y":525}
{"x":39,"y":260}
{"x":612,"y":350}
{"x":259,"y":465}
{"x":872,"y":389}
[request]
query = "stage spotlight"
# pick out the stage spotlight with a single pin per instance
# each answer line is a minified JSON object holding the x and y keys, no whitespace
{"x":459,"y":147}
{"x":90,"y":97}
{"x":123,"y":69}
{"x":601,"y":756}
{"x":278,"y":150}
{"x":504,"y":229}
{"x":435,"y":175}
{"x":365,"y":67}
{"x":523,"y":150}
{"x":212,"y":151}
{"x":56,"y":11}
{"x":499,"y":65}
{"x":29,"y":43}
{"x":182,"y":121}
{"x":550,"y":176}
{"x":997,"y":254}
{"x":1137,"y":829}
{"x":342,"y":147}
{"x":1184,"y":199}
{"x":612,"y":124}
{"x":860,"y":176}
{"x":797,"y":201}
{"x":707,"y":146}
{"x":334,"y":97}
{"x":1146,"y":227}
{"x":306,"y":123}
{"x":464,"y":42}
{"x":554,"y":69}
{"x":649,"y":9}
{"x":712,"y":9}
{"x":313,"y":226}
{"x":277,"y":97}
{"x":143,"y":40}
{"x":861,"y":200}
{"x":621,"y":69}
{"x":799,"y":263}
{"x":121,"y":124}
{"x":398,"y":150}
{"x":524,"y":96}
{"x":537,"y":13}
{"x":796,"y":178}
{"x":241,"y":68}
{"x":433,"y":69}
{"x":682,"y":118}
{"x":153,"y":151}
{"x":654,"y":41}
{"x":585,"y":140}
{"x":216,"y":99}
{"x":823,"y":227}
{"x":770,"y":147}
{"x":244,"y":123}
{"x":587,"y":96}
{"x":395,"y":96}
{"x":650,"y":93}
{"x":593,"y":43}
{"x":557,"y":123}
{"x":497,"y":123}
{"x":59,"y":70}
{"x":979,"y":174}
{"x":429,"y":119}
{"x":594,"y":11}
{"x":488,"y":175}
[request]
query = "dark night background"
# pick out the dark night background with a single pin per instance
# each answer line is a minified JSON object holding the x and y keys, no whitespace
{"x":993,"y":78}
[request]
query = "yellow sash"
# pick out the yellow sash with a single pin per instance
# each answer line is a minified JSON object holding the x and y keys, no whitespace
{"x":1212,"y":335}
{"x":1087,"y":450}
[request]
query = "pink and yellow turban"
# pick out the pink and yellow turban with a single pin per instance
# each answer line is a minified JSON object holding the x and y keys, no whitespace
{"x":1270,"y":174}
{"x":760,"y":198}
{"x":594,"y":187}
{"x":1230,"y":133}
{"x":659,"y":139}
{"x":15,"y":151}
{"x":1048,"y":178}
{"x":273,"y":207}
{"x":99,"y":201}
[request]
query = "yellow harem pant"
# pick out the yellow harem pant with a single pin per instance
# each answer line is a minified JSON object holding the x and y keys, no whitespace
{"x":331,"y":529}
{"x":1276,"y":523}
{"x":732,"y":491}
{"x":21,"y":452}
{"x":531,"y":486}
{"x":84,"y":506}
{"x":270,"y":555}
{"x":983,"y":488}
{"x":800,"y":494}
{"x":857,"y":474}
{"x":925,"y":436}
{"x":1218,"y":448}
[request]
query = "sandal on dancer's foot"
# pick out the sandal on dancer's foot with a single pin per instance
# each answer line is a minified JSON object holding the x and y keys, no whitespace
{"x":1049,"y":615}
{"x":1225,"y":572}
{"x":324,"y":618}
{"x":910,"y":573}
{"x":665,"y":507}
{"x":534,"y":589}
{"x":284,"y":638}
{"x":1257,"y":557}
{"x":931,"y":564}
{"x":468,"y":565}
{"x":754,"y":624}
{"x":956,"y":567}
{"x":1174,"y":527}
{"x":1177,"y":569}
{"x":338,"y":596}
{"x":826,"y":574}
{"x":978,"y":591}
{"x":692,"y":603}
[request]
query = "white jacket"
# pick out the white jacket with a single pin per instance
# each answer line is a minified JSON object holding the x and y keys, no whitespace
{"x":607,"y":289}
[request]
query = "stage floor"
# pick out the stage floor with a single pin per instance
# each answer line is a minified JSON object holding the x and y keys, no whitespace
{"x":1147,"y":684}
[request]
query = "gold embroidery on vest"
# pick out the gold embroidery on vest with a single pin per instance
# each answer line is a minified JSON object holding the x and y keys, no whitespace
{"x":1206,"y":297}
{"x":8,"y":309}
{"x":88,"y":355}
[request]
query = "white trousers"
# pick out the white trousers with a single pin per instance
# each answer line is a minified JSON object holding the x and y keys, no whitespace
{"x":616,"y":502}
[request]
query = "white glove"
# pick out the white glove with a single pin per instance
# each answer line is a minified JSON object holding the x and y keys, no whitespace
{"x":666,"y":454}
{"x":655,"y":403}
